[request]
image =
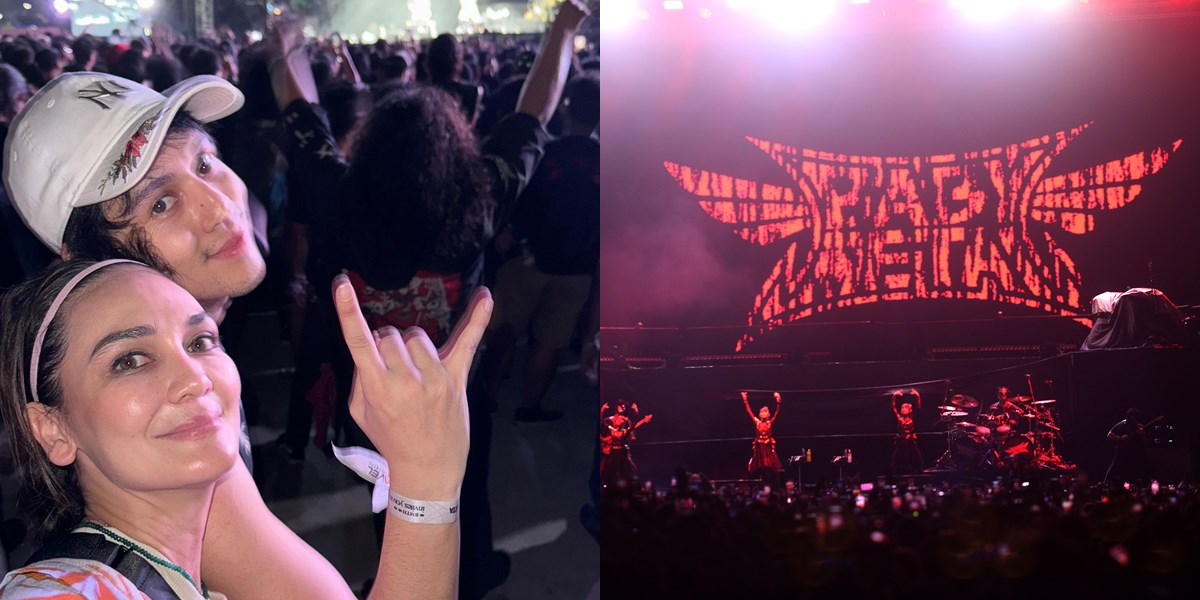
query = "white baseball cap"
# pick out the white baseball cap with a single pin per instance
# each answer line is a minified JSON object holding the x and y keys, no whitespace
{"x":88,"y":137}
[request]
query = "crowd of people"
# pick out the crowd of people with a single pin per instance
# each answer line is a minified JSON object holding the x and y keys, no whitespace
{"x":1043,"y":538}
{"x":286,"y":174}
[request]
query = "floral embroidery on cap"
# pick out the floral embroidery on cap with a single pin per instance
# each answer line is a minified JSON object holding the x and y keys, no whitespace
{"x":128,"y":160}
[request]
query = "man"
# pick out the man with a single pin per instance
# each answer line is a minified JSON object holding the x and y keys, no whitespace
{"x":1004,"y":411}
{"x":1131,"y":461}
{"x":557,"y":220}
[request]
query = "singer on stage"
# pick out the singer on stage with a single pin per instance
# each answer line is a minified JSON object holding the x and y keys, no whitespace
{"x":764,"y":459}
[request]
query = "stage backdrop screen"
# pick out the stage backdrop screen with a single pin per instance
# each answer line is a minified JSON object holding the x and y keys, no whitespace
{"x":904,"y":172}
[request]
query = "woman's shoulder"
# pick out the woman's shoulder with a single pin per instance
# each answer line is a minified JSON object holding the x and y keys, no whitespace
{"x":68,"y":578}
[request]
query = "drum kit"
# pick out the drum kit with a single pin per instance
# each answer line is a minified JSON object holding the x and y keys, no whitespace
{"x":977,"y":440}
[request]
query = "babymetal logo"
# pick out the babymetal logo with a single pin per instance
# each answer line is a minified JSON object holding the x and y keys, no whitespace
{"x":867,"y":229}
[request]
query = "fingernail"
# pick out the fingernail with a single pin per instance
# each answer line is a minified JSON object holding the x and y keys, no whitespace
{"x":343,"y":291}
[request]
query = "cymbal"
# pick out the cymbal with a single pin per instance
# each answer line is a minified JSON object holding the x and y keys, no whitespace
{"x":962,"y":401}
{"x":1020,"y":399}
{"x":1045,"y":401}
{"x":954,"y":413}
{"x":965,"y":424}
{"x":1028,"y":416}
{"x":947,"y":408}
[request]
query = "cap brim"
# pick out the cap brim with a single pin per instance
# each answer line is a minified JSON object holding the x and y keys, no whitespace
{"x":205,"y":97}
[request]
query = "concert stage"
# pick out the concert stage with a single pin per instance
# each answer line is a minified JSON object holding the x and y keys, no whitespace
{"x":830,"y":406}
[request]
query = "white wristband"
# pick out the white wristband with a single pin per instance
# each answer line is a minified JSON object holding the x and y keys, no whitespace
{"x":422,"y":511}
{"x":369,"y":465}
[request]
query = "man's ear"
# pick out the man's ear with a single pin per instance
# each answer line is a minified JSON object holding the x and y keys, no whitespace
{"x":51,"y":433}
{"x":64,"y":252}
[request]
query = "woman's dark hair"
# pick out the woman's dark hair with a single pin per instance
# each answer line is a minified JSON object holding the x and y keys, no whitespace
{"x":91,"y":231}
{"x":50,"y":495}
{"x":417,"y":164}
{"x":254,"y":79}
{"x":445,"y":58}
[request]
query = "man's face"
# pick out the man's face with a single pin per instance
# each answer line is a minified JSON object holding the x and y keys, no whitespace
{"x":194,"y":211}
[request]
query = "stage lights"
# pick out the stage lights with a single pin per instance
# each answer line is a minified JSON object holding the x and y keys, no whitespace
{"x":794,"y":15}
{"x":619,"y":14}
{"x":797,"y":16}
{"x":985,"y":10}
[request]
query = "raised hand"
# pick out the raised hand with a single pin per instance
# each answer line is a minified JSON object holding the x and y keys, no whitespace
{"x":410,"y":398}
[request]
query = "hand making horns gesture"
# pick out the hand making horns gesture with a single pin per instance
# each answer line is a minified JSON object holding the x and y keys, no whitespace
{"x":410,"y":398}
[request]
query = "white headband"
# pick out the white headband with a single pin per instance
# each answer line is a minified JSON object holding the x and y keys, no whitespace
{"x":53,"y":310}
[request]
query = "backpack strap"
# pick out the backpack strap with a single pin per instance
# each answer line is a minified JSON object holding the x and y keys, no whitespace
{"x":90,"y":546}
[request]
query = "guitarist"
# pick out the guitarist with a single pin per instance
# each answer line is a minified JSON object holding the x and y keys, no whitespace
{"x":616,"y":434}
{"x":1130,"y":462}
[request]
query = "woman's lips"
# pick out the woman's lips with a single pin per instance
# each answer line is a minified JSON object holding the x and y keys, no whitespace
{"x":195,"y":427}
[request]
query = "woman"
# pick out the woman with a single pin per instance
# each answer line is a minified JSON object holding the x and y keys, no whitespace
{"x":764,"y":458}
{"x":123,"y":411}
{"x":906,"y":457}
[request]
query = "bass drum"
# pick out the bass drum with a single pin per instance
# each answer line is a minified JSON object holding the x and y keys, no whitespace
{"x":1016,"y":451}
{"x":968,"y":450}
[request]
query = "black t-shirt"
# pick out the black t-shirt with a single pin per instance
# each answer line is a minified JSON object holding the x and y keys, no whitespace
{"x":559,"y":213}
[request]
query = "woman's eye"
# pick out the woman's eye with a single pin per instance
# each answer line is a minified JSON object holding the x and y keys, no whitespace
{"x":162,"y":205}
{"x":203,"y":343}
{"x":129,"y":362}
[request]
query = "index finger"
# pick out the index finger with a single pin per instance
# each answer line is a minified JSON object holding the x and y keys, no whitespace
{"x":459,"y":349}
{"x":354,"y":326}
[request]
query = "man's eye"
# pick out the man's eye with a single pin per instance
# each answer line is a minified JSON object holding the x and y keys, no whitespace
{"x":206,"y":164}
{"x":162,"y":205}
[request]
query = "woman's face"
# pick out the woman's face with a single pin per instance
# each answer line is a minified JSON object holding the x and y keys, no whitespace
{"x":150,"y":400}
{"x":764,"y":413}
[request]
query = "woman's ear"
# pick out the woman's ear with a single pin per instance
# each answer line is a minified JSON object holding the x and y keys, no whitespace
{"x":64,"y":252}
{"x":51,"y":433}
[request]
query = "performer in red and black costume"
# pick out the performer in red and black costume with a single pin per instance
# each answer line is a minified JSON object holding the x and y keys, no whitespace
{"x":616,"y":434}
{"x":906,"y":457}
{"x":764,"y":460}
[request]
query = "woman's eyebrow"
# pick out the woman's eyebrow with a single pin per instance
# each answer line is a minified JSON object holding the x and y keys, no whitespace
{"x":199,"y":318}
{"x":123,"y":334}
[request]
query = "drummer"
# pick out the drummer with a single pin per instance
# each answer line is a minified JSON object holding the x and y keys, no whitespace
{"x":1004,"y":411}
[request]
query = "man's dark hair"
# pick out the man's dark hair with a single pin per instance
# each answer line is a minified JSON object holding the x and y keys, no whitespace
{"x":83,"y":49}
{"x":342,"y":104}
{"x":131,"y":65}
{"x":203,"y":61}
{"x":391,"y":67}
{"x":583,"y":99}
{"x":13,"y":90}
{"x":47,"y":59}
{"x":91,"y":231}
